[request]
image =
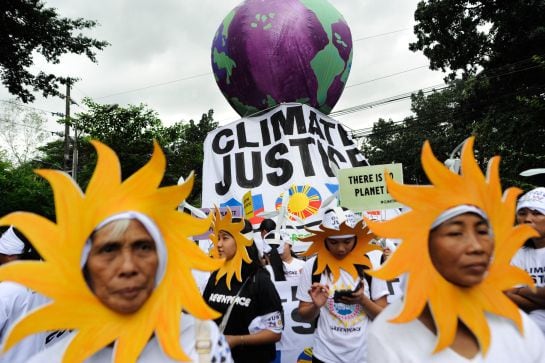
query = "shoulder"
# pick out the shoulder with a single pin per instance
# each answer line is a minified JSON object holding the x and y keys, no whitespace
{"x":9,"y":289}
{"x":53,"y":353}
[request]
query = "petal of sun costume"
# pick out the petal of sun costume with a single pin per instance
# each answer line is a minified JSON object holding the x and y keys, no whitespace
{"x":60,"y":276}
{"x":450,"y":303}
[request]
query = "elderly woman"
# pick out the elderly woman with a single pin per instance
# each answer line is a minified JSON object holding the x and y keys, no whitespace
{"x":457,"y":262}
{"x":117,"y":268}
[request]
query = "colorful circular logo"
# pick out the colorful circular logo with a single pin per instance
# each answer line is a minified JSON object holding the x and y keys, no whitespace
{"x":304,"y":201}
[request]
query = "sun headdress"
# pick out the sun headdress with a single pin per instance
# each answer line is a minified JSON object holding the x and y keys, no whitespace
{"x":339,"y":223}
{"x":449,"y":302}
{"x":233,"y":266}
{"x":61,"y":243}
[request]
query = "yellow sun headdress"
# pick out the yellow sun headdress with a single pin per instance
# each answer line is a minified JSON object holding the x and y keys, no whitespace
{"x":60,"y":276}
{"x":343,"y":224}
{"x":449,"y":302}
{"x":234,"y":265}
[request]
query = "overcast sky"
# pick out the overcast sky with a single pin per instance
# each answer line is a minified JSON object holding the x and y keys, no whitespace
{"x":160,"y":56}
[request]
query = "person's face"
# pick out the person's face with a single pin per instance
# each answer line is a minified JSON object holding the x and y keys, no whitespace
{"x":461,"y":249}
{"x":534,"y":218}
{"x":340,"y":247}
{"x":227,"y":247}
{"x":286,"y":252}
{"x":122,"y":270}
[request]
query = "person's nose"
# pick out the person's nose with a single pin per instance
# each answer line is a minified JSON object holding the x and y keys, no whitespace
{"x":475,"y":242}
{"x":128,"y":265}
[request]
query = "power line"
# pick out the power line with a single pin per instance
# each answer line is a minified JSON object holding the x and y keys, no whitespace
{"x":385,"y":76}
{"x":381,"y":35}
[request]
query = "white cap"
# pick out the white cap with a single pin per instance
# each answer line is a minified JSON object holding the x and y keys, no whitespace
{"x":534,"y":199}
{"x":10,"y":244}
{"x":456,"y":211}
{"x":335,"y":217}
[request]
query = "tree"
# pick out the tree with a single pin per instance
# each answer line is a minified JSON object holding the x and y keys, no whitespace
{"x":21,"y":131}
{"x":493,"y":53}
{"x":183,"y":143}
{"x":130,"y":131}
{"x":26,"y":27}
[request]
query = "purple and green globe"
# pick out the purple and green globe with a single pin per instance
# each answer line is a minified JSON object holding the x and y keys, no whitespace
{"x":268,"y":52}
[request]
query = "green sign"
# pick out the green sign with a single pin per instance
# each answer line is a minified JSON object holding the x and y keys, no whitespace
{"x":364,"y":188}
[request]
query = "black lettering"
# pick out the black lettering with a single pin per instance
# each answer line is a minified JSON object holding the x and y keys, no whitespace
{"x":356,"y":158}
{"x":306,"y":328}
{"x":306,"y":160}
{"x":241,"y":136}
{"x":294,"y":115}
{"x":379,"y":177}
{"x":327,"y":127}
{"x":276,"y":179}
{"x":325,"y":161}
{"x":257,"y":170}
{"x":265,"y":134}
{"x":314,"y":126}
{"x":223,"y":186}
{"x":344,"y":136}
{"x":217,"y":140}
{"x":332,"y":152}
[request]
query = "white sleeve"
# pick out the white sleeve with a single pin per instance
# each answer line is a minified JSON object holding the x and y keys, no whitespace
{"x":271,"y":321}
{"x":535,"y":341}
{"x":379,"y":288}
{"x":305,"y":282}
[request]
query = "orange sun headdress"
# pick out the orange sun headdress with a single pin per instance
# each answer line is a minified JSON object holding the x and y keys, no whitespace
{"x":343,"y":223}
{"x":233,"y":266}
{"x":60,"y":276}
{"x":449,"y":302}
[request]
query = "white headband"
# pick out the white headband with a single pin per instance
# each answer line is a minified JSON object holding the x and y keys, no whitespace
{"x":10,"y":244}
{"x":534,"y":199}
{"x":152,"y":229}
{"x":335,"y":217}
{"x":456,"y":211}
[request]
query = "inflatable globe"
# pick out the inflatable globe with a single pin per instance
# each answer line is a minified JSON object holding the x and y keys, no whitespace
{"x":268,"y":52}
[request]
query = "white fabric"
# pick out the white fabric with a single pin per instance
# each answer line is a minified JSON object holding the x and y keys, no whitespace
{"x":152,"y":229}
{"x":456,"y":211}
{"x":532,"y":260}
{"x":395,"y":286}
{"x":335,"y":217}
{"x":292,"y":270}
{"x":412,"y":342}
{"x":10,"y":244}
{"x":152,"y":352}
{"x":341,"y":332}
{"x":15,"y":302}
{"x":534,"y":199}
{"x":271,"y":321}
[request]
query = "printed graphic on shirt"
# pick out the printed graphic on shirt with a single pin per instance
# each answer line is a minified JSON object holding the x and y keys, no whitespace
{"x":347,"y":315}
{"x":538,"y":274}
{"x":227,"y":299}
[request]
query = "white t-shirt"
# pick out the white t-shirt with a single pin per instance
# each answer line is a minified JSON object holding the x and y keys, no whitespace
{"x":15,"y":302}
{"x":395,"y":286}
{"x":532,"y":260}
{"x":152,"y":352}
{"x":341,"y":332}
{"x":292,"y":270}
{"x":413,"y":342}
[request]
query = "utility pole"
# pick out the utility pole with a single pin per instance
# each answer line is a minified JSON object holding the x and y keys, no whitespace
{"x":75,"y":155}
{"x":67,"y":127}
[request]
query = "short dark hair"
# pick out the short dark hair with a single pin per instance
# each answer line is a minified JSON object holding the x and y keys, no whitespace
{"x":267,"y":225}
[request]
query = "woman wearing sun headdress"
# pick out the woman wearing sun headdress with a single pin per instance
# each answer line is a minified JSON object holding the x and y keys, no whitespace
{"x":117,"y":268}
{"x":457,"y":263}
{"x":333,"y":287}
{"x":243,"y":292}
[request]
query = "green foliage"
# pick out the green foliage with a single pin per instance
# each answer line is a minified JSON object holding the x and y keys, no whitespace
{"x":494,"y":52}
{"x":27,"y":26}
{"x":23,"y":190}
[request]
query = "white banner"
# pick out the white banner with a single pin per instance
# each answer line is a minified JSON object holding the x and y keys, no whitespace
{"x":297,"y":335}
{"x":288,"y":149}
